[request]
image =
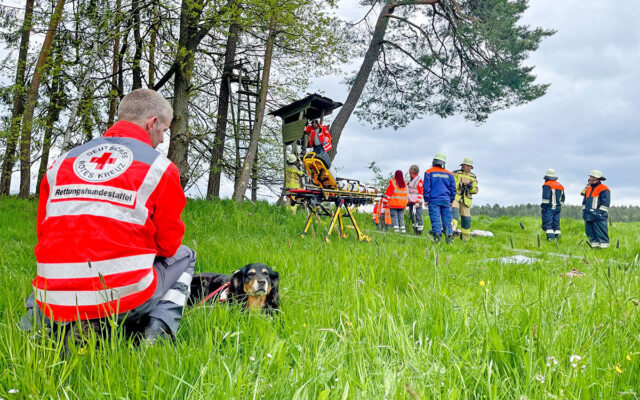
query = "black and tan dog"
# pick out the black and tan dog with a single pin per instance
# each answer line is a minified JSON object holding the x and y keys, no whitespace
{"x":254,"y":286}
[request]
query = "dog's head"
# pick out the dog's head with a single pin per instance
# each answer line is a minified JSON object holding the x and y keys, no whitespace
{"x":256,"y":285}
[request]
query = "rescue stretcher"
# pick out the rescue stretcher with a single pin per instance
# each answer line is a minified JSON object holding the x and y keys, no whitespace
{"x":346,"y":194}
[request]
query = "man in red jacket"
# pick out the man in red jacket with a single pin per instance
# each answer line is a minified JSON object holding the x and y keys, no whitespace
{"x":109,"y":229}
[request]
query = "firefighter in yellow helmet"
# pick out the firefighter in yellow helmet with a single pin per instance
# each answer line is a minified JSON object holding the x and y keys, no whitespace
{"x":466,"y":186}
{"x":292,"y":178}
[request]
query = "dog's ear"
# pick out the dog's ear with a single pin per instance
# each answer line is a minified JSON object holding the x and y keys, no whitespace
{"x":236,"y":286}
{"x":272,"y":302}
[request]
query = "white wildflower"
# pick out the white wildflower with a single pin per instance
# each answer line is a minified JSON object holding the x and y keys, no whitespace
{"x":13,"y":391}
{"x":551,"y":361}
{"x":252,"y":358}
{"x":540,"y":378}
{"x":574,"y":360}
{"x":269,"y":355}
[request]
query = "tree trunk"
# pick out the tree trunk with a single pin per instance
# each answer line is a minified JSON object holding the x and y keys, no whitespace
{"x":217,"y":152}
{"x":53,"y":113}
{"x":32,"y":98}
{"x":243,"y":181}
{"x":137,"y":55}
{"x":113,"y":92}
{"x":18,"y":102}
{"x":75,"y":105}
{"x":185,"y":59}
{"x":370,"y":57}
{"x":152,"y":44}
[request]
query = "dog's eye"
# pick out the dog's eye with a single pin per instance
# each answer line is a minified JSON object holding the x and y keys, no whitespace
{"x":251,"y":273}
{"x":264,"y":271}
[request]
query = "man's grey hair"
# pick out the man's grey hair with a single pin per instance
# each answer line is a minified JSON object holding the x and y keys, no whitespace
{"x":414,"y":168}
{"x":141,"y":104}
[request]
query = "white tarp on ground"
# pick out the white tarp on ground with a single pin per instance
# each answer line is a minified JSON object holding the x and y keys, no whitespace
{"x":517,"y":259}
{"x":478,"y":232}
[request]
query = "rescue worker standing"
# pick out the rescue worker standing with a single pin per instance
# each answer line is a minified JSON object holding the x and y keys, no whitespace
{"x":381,"y":215}
{"x":416,"y":188}
{"x":320,"y":141}
{"x":396,"y":194}
{"x":109,"y":230}
{"x":466,"y":187}
{"x":595,"y":210}
{"x":292,"y":178}
{"x":439,"y":193}
{"x":552,"y":201}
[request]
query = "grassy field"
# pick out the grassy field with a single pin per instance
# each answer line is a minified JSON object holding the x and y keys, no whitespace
{"x":396,"y":318}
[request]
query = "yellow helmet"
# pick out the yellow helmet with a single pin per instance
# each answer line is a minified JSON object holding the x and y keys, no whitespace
{"x":467,"y":161}
{"x":440,"y":157}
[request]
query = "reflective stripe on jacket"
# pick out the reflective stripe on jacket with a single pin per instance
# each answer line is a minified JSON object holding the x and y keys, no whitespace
{"x":596,"y":201}
{"x":439,"y":185}
{"x":396,"y":196}
{"x":464,"y":195}
{"x":415,"y":190}
{"x":552,"y":194}
{"x":106,"y":210}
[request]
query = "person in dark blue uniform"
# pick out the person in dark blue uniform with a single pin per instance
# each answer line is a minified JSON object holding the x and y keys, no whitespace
{"x":439,"y":193}
{"x":595,"y":210}
{"x":552,"y":201}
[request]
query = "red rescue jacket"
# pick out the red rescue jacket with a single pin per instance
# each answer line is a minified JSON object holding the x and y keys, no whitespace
{"x":107,"y":208}
{"x":325,"y":137}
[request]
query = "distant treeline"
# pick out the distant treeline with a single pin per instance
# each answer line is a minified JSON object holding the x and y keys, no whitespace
{"x":616,"y":213}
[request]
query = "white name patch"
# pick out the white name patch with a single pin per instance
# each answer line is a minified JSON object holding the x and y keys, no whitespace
{"x":112,"y":194}
{"x":103,"y":162}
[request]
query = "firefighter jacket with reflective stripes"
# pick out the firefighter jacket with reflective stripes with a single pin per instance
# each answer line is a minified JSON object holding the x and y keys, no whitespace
{"x":292,"y":177}
{"x":596,"y":202}
{"x":415,"y":190}
{"x":396,"y":196}
{"x":107,"y":208}
{"x":324,"y":137}
{"x":552,"y":194}
{"x":464,"y":192}
{"x":439,"y":186}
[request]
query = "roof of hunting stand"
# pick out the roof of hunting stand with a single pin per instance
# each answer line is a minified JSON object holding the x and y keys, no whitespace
{"x":294,"y":116}
{"x":312,"y":105}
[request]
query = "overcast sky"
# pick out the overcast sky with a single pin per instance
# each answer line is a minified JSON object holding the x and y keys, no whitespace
{"x":588,"y":119}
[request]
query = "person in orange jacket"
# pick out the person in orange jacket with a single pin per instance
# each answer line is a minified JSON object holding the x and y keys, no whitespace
{"x":396,"y":194}
{"x":381,"y":216}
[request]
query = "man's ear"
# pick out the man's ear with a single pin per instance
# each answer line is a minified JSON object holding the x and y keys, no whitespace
{"x":150,"y":124}
{"x":236,"y":282}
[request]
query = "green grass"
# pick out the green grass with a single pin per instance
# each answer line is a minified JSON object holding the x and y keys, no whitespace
{"x":395,"y":318}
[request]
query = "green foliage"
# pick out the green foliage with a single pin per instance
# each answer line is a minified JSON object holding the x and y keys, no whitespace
{"x":616,"y":213}
{"x":395,"y":318}
{"x":463,"y":57}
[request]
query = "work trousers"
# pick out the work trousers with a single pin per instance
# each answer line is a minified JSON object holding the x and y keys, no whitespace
{"x":441,"y":217}
{"x":598,"y":232}
{"x":415,"y":214}
{"x":167,"y":303}
{"x":462,"y":212}
{"x":551,"y":222}
{"x":397,"y":218}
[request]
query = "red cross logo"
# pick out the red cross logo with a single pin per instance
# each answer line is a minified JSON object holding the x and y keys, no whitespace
{"x":103,"y":160}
